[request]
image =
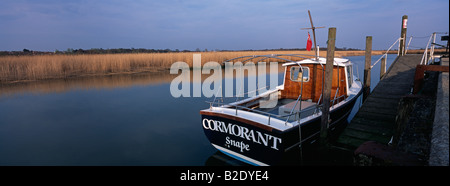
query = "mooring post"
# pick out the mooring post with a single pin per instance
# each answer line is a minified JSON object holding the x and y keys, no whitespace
{"x":403,"y":36}
{"x":326,"y":93}
{"x":368,"y":55}
{"x":383,"y":67}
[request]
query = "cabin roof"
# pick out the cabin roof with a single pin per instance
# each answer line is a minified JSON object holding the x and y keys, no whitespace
{"x":337,"y":62}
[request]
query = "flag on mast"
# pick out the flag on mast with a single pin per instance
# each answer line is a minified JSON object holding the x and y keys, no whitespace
{"x":308,"y":43}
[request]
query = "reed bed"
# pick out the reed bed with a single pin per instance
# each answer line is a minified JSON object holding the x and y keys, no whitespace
{"x":25,"y":68}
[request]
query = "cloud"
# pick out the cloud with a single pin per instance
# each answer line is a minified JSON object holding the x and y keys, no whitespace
{"x":232,"y":24}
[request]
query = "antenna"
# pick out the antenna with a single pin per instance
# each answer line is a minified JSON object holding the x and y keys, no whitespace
{"x":314,"y":35}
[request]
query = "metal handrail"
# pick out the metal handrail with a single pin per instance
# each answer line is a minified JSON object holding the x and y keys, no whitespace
{"x":424,"y":60}
{"x":385,"y":54}
{"x":336,"y":99}
{"x":335,"y":94}
{"x":407,"y":47}
{"x":271,"y":115}
{"x":258,"y":111}
{"x":275,"y":56}
{"x":239,"y":95}
{"x":293,"y":108}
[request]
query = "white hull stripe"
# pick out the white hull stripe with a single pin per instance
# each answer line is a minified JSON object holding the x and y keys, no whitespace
{"x":239,"y":156}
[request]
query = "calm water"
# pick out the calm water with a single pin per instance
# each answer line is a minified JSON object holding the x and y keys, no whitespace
{"x":114,"y":120}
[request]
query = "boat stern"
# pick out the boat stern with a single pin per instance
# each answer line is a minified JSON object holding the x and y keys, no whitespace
{"x":243,"y":139}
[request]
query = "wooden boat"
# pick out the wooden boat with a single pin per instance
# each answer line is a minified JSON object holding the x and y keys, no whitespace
{"x":264,"y":136}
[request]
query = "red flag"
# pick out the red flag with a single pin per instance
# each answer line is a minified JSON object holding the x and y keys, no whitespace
{"x":308,"y":43}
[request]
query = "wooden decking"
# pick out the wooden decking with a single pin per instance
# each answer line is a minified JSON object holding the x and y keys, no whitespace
{"x":375,"y":120}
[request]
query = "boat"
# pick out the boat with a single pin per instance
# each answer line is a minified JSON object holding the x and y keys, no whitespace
{"x":256,"y":135}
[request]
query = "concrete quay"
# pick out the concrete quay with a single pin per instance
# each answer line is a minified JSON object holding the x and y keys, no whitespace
{"x":439,"y":151}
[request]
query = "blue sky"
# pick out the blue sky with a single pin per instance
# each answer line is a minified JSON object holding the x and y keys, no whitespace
{"x":47,"y":25}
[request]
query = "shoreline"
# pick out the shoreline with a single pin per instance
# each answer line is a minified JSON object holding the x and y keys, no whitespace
{"x":26,"y":69}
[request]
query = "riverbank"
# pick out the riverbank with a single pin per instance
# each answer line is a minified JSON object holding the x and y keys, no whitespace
{"x":15,"y":69}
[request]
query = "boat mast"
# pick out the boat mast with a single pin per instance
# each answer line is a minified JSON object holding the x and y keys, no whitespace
{"x":314,"y":35}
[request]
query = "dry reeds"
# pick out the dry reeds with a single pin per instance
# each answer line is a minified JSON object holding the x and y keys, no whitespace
{"x":22,"y":68}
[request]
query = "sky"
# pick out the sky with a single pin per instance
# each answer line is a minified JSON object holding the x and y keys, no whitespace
{"x":49,"y":25}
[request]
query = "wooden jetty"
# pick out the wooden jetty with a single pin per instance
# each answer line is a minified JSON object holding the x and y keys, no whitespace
{"x":375,"y":120}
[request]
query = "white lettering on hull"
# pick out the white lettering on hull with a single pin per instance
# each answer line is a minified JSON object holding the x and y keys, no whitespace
{"x":242,"y":132}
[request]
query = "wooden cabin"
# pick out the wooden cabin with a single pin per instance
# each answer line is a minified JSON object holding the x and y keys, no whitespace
{"x":312,"y":73}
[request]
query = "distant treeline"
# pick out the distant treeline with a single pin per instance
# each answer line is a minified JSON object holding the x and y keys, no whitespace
{"x":71,"y":51}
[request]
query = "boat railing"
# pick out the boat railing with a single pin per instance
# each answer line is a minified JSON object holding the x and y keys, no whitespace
{"x":293,"y":108}
{"x":337,"y":100}
{"x":249,"y":92}
{"x":240,"y":95}
{"x":237,"y":107}
{"x":335,"y":95}
{"x":273,"y":56}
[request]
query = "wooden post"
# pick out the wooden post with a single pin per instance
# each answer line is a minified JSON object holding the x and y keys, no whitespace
{"x":326,"y":92}
{"x":402,"y":50}
{"x":366,"y":89}
{"x":383,"y":67}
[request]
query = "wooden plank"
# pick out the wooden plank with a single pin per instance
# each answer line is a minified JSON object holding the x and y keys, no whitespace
{"x":349,"y":142}
{"x":375,"y":121}
{"x":381,"y":103}
{"x":388,"y":111}
{"x":392,"y":91}
{"x":382,"y":124}
{"x":377,"y":116}
{"x":366,"y":136}
{"x":376,"y":129}
{"x":404,"y":85}
{"x":385,"y":96}
{"x":373,"y":129}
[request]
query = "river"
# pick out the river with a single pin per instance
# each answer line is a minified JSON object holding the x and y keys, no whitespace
{"x":110,"y":120}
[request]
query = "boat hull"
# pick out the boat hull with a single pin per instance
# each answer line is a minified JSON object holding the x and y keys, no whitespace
{"x":243,"y":141}
{"x":259,"y":144}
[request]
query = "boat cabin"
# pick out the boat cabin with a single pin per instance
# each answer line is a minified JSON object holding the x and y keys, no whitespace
{"x":311,"y":77}
{"x":302,"y":88}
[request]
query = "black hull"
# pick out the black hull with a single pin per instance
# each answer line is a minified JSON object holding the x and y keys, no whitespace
{"x":261,"y":146}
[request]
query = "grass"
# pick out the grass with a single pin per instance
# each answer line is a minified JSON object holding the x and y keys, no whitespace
{"x":30,"y":68}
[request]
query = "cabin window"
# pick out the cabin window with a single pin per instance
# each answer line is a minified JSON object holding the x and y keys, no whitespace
{"x":297,"y":74}
{"x":349,"y":76}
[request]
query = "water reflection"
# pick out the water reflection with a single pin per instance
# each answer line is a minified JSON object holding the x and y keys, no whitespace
{"x":107,"y":82}
{"x":221,"y":159}
{"x":93,"y":82}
